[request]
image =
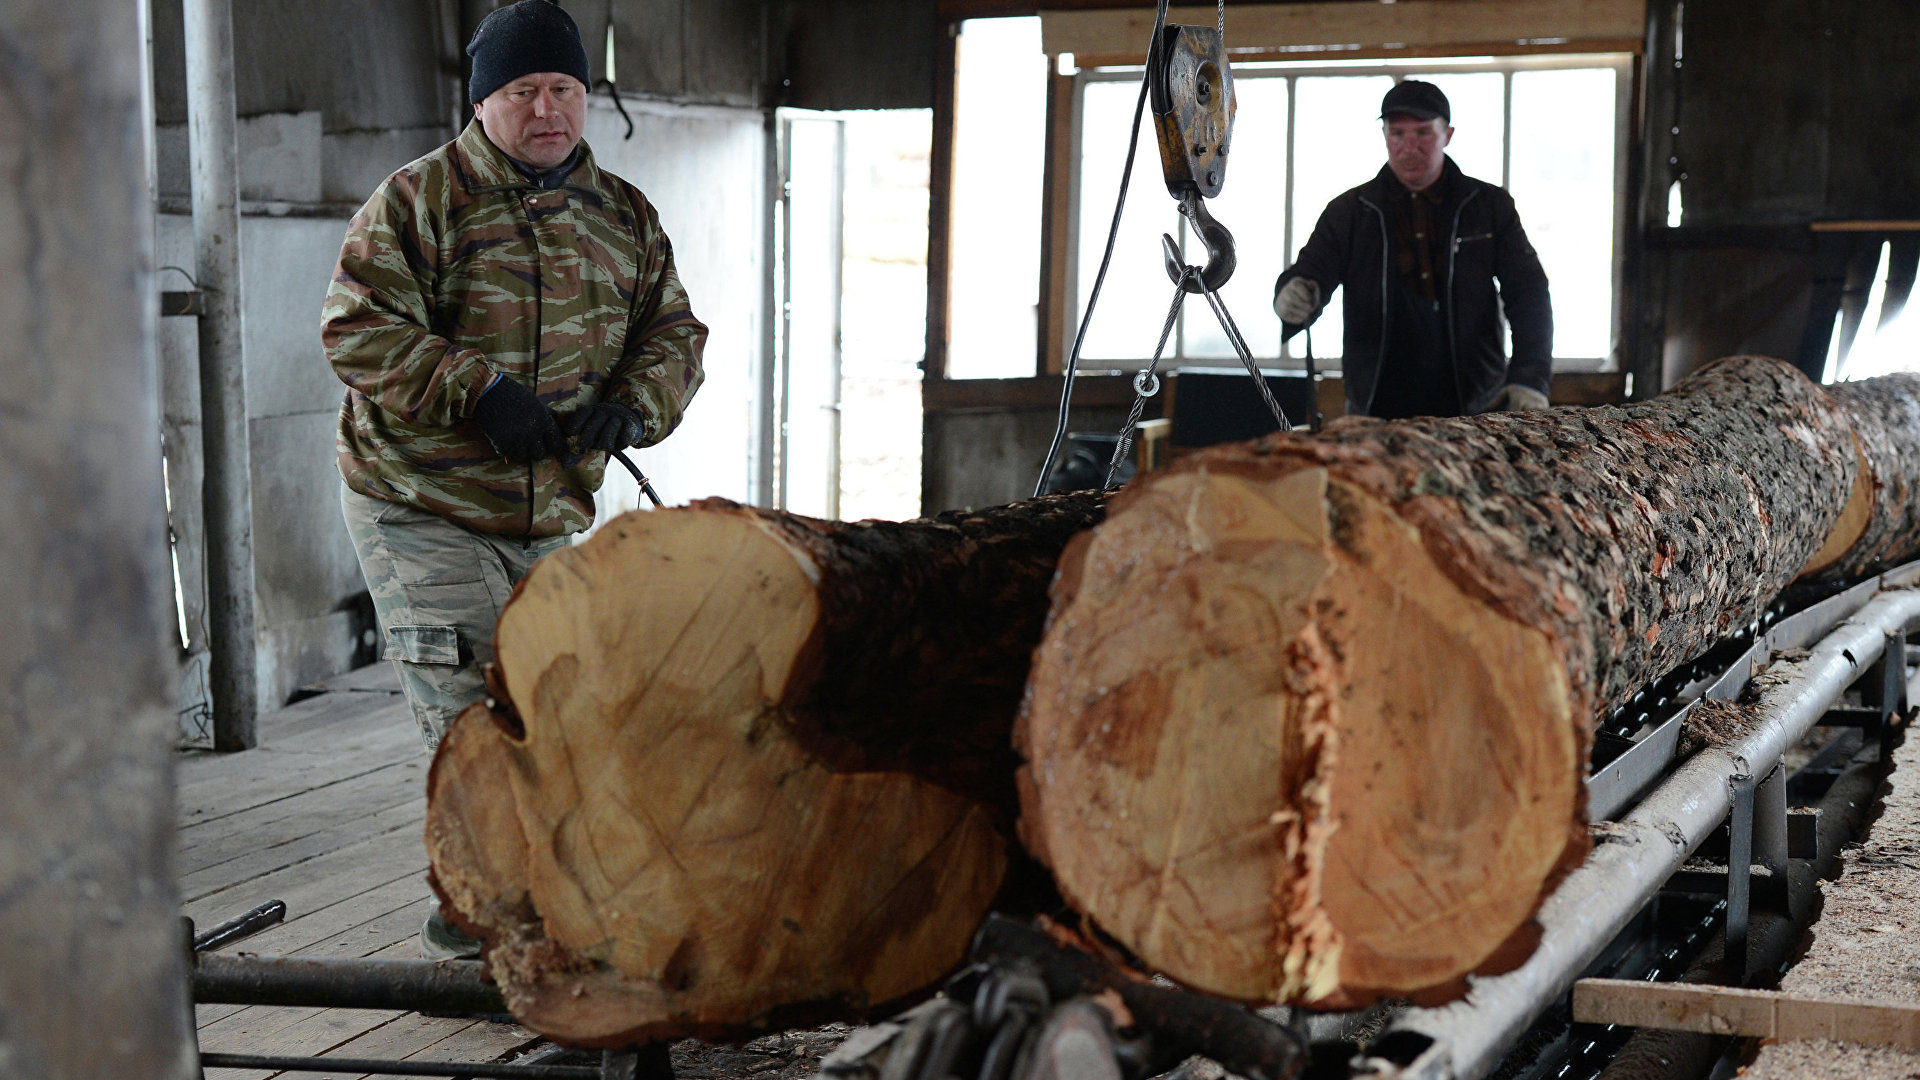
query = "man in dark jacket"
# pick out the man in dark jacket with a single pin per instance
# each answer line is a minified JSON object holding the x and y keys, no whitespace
{"x":1419,"y":249}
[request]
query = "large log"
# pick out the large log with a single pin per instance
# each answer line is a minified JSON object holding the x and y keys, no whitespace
{"x":744,"y":768}
{"x":1312,"y":715}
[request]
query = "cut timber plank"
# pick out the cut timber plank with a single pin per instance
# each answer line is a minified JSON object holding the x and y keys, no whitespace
{"x":1760,"y":1014}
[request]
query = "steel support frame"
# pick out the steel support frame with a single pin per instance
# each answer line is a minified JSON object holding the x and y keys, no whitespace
{"x":443,"y":988}
{"x":227,"y":504}
{"x":1635,"y":856}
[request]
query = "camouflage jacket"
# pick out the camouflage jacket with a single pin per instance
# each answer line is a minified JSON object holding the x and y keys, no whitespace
{"x":459,"y":268}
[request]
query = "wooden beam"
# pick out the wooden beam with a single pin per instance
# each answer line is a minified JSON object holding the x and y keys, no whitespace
{"x":940,"y":208}
{"x":1039,"y":392}
{"x":1310,"y":53}
{"x":1864,"y":226}
{"x":1423,"y":25}
{"x":1056,"y":308}
{"x":1764,"y":1014}
{"x":1101,"y":391}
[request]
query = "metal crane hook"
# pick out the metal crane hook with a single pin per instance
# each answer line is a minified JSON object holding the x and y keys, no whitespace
{"x":1221,"y":260}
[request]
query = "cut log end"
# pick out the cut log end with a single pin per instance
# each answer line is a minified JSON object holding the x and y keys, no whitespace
{"x":691,"y":863}
{"x":1306,"y":651}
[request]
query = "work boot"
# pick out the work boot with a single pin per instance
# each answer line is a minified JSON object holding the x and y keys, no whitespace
{"x":441,"y":940}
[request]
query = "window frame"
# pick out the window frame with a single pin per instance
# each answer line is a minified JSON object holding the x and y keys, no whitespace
{"x":1061,"y":276}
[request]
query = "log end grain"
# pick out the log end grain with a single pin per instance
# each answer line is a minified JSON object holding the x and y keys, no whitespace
{"x":687,"y":865}
{"x":1230,"y":738}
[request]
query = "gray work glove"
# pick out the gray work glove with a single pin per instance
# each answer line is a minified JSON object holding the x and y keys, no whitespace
{"x":1516,"y":398}
{"x":1297,"y":301}
{"x":517,"y":425}
{"x":604,"y":426}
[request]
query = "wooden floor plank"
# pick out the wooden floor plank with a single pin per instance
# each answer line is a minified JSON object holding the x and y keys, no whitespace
{"x":255,"y":865}
{"x":374,"y":935}
{"x":212,"y":842}
{"x":321,"y":882}
{"x":481,"y":1042}
{"x":398,"y":1041}
{"x":327,"y":816}
{"x":311,"y":1036}
{"x":365,"y":726}
{"x":378,"y":676}
{"x":341,"y":718}
{"x":276,"y":777}
{"x":293,"y":722}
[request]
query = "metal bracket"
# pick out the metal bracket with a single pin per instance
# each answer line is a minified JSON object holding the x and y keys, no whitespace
{"x":1739,"y":875}
{"x":191,"y":302}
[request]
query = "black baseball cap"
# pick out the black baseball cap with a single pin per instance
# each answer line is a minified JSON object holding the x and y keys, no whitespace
{"x":1420,"y":100}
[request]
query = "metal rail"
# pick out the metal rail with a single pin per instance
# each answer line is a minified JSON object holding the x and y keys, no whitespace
{"x":400,"y":1068}
{"x":1635,"y":856}
{"x":448,"y":986}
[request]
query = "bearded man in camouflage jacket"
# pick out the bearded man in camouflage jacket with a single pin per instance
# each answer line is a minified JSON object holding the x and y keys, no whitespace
{"x":505,"y":314}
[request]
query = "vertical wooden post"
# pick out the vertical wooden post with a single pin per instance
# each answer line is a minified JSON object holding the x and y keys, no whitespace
{"x":92,"y":960}
{"x":1057,"y":303}
{"x":939,"y":249}
{"x":228,"y":507}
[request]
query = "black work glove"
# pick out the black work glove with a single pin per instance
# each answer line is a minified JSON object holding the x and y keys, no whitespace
{"x":605,"y":427}
{"x":517,"y":425}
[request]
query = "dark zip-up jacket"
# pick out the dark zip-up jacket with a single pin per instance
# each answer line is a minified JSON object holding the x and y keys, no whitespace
{"x":1351,"y":247}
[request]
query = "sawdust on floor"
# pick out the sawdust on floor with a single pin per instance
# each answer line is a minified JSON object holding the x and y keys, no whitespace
{"x":1866,"y":944}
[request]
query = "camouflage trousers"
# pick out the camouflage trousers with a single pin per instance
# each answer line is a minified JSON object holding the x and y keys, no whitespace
{"x":438,"y":589}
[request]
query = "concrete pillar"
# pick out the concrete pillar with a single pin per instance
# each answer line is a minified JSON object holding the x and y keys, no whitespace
{"x":228,"y":498}
{"x":92,"y":962}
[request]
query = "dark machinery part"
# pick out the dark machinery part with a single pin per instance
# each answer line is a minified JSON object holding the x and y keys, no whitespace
{"x":1191,"y":86}
{"x":240,"y":926}
{"x":448,"y":986}
{"x":444,"y":988}
{"x":1193,"y":107}
{"x":1178,"y":1022}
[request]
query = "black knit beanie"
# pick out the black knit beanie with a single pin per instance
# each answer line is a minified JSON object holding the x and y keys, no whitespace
{"x":524,"y":38}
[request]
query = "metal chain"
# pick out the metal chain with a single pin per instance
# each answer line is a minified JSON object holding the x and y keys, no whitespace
{"x":1147,"y":382}
{"x":1220,"y":21}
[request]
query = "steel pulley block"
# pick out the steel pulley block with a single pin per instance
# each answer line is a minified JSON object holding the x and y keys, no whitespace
{"x":1193,"y":107}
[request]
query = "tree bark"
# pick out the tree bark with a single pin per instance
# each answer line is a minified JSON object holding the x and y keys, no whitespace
{"x":745,"y":768}
{"x":1312,"y":714}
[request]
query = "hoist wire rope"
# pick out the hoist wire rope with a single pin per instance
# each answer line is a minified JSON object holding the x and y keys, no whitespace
{"x":1148,"y":377}
{"x":1147,"y":382}
{"x":1106,"y":260}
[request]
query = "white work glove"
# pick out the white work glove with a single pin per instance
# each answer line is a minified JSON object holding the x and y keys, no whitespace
{"x":1516,"y":398}
{"x":1297,"y":301}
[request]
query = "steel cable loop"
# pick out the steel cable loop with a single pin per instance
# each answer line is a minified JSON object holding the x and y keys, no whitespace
{"x":1147,"y":383}
{"x":1245,"y":353}
{"x":1106,"y":260}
